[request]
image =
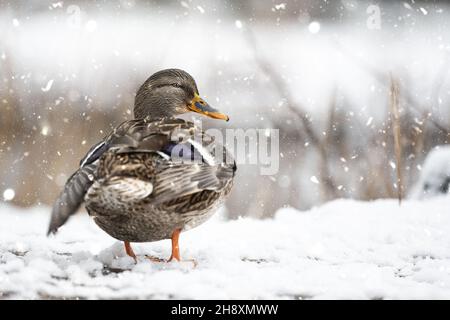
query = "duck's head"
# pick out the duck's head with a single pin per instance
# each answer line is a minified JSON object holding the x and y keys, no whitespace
{"x":171,"y":92}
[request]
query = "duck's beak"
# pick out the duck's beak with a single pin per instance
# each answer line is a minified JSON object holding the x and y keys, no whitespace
{"x":201,"y":106}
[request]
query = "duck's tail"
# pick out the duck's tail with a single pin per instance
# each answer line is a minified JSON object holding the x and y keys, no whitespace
{"x":72,"y":196}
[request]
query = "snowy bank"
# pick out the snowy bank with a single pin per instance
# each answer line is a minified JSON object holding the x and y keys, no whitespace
{"x":435,"y":176}
{"x":344,"y":249}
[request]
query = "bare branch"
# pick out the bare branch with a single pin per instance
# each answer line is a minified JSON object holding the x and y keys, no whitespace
{"x":394,"y":95}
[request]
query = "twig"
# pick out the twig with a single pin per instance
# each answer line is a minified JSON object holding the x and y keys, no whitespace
{"x":394,"y":94}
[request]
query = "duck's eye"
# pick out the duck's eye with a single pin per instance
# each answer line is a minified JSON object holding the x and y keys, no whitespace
{"x":176,"y":85}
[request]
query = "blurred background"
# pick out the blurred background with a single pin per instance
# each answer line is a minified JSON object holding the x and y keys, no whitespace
{"x":358,"y":89}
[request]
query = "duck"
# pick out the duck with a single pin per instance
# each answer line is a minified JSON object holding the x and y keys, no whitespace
{"x":156,"y":175}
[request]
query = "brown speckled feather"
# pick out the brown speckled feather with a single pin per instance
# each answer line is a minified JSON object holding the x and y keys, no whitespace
{"x":139,"y":192}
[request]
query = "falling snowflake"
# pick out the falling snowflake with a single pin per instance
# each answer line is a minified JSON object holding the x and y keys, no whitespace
{"x":314,"y":27}
{"x":281,"y":6}
{"x":201,"y":9}
{"x":45,"y":130}
{"x":57,"y":4}
{"x":9,"y":194}
{"x":48,"y":86}
{"x":314,"y":179}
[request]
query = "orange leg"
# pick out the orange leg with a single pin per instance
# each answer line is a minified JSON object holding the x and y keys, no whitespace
{"x":175,"y":247}
{"x":175,"y":250}
{"x":130,"y":251}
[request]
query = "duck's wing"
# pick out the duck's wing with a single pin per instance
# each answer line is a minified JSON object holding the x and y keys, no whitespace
{"x":188,"y":159}
{"x":175,"y":178}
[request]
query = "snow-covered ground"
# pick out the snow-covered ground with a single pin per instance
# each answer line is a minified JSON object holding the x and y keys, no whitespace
{"x":343,"y":249}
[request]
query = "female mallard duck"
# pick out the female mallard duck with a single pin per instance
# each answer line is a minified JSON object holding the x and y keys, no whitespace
{"x":153,"y":176}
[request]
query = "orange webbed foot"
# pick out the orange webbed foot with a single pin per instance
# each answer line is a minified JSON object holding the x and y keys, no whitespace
{"x":176,"y":249}
{"x":174,"y":256}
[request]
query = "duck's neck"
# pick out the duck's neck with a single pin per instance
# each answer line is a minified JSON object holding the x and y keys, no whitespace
{"x":150,"y":113}
{"x":153,"y":110}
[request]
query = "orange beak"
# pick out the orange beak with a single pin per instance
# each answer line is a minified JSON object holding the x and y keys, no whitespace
{"x":201,"y":106}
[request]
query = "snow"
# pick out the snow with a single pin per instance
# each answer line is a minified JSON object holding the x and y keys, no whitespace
{"x":281,"y":6}
{"x":424,"y":11}
{"x":314,"y":179}
{"x":9,"y":194}
{"x":343,"y":249}
{"x":48,"y":86}
{"x":314,"y":27}
{"x":435,"y":175}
